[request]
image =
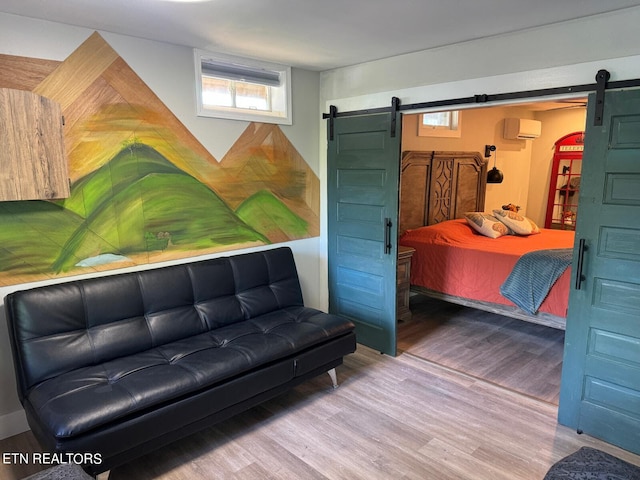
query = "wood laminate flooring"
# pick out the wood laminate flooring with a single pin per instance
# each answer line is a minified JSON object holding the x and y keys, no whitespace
{"x":515,"y":354}
{"x":391,"y":418}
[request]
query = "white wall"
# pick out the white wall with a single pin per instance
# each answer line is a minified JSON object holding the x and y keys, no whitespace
{"x":596,"y":38}
{"x":168,"y":71}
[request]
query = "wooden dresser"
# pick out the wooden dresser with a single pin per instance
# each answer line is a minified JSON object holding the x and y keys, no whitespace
{"x":403,"y":274}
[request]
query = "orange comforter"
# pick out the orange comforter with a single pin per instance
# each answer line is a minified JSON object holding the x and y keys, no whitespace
{"x":452,"y":258}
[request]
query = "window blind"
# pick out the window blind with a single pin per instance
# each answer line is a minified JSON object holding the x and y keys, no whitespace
{"x":243,"y":73}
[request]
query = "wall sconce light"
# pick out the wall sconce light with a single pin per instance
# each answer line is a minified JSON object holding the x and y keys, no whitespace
{"x":494,"y":175}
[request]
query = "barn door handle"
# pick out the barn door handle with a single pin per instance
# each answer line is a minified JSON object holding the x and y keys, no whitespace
{"x":387,"y":235}
{"x":580,"y":277}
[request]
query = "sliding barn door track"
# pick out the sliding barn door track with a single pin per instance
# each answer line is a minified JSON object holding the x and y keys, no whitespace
{"x":600,"y":86}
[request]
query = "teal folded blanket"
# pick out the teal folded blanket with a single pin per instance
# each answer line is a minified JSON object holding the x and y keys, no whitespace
{"x":533,"y":275}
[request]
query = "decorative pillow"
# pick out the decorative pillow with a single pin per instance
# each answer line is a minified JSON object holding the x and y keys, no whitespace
{"x":486,"y":224}
{"x":519,"y":224}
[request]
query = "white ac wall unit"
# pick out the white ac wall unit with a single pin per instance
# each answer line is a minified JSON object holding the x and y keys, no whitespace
{"x":521,"y":128}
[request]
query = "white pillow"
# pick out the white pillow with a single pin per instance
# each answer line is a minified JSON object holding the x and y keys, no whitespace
{"x":486,"y":224}
{"x":519,"y":224}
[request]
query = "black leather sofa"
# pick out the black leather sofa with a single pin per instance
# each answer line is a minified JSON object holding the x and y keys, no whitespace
{"x":123,"y":364}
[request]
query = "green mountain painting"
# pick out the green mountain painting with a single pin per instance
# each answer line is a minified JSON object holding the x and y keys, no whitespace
{"x":143,"y":188}
{"x":138,"y":204}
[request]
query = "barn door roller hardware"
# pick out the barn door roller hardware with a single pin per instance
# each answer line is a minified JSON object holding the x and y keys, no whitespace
{"x":602,"y":77}
{"x":333,"y":111}
{"x":395,"y":107}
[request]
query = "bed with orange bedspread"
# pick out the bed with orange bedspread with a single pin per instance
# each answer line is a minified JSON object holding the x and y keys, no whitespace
{"x":453,"y":262}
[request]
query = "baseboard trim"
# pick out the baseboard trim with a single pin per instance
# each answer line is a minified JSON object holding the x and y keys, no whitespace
{"x":12,"y":424}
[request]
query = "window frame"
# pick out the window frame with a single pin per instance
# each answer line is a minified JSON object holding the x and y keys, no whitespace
{"x":453,"y":130}
{"x":279,"y":96}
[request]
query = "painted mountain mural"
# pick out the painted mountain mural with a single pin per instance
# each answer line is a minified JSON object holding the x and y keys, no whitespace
{"x":143,"y":189}
{"x":140,"y":202}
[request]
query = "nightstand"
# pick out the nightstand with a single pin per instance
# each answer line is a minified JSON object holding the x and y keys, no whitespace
{"x":403,"y":276}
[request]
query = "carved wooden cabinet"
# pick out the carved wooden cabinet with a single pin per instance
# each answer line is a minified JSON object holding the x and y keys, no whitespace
{"x":403,"y":276}
{"x":33,"y":164}
{"x":437,"y":186}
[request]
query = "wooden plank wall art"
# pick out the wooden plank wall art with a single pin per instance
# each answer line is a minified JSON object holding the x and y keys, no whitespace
{"x":143,"y":189}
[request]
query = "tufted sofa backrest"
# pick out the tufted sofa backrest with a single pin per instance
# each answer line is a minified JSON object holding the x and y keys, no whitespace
{"x":58,"y":328}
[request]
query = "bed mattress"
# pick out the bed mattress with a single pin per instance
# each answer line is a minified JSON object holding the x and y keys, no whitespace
{"x":451,"y":258}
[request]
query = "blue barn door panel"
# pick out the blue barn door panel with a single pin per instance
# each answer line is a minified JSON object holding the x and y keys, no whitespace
{"x":363,"y":164}
{"x":600,"y":391}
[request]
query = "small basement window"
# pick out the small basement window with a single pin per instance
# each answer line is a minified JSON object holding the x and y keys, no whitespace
{"x":242,"y":89}
{"x":440,"y":124}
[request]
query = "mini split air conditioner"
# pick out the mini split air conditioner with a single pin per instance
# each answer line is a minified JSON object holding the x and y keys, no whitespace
{"x":521,"y":129}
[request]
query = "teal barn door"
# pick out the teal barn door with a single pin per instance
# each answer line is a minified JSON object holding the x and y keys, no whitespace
{"x":363,"y":163}
{"x":600,"y":390}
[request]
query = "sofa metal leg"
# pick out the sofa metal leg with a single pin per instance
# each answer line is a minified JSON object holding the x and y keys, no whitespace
{"x":334,"y":377}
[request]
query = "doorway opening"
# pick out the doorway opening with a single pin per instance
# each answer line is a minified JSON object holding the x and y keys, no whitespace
{"x":513,"y":353}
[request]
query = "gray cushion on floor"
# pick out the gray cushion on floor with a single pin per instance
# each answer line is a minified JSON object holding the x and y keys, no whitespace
{"x":591,"y":464}
{"x":65,"y":471}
